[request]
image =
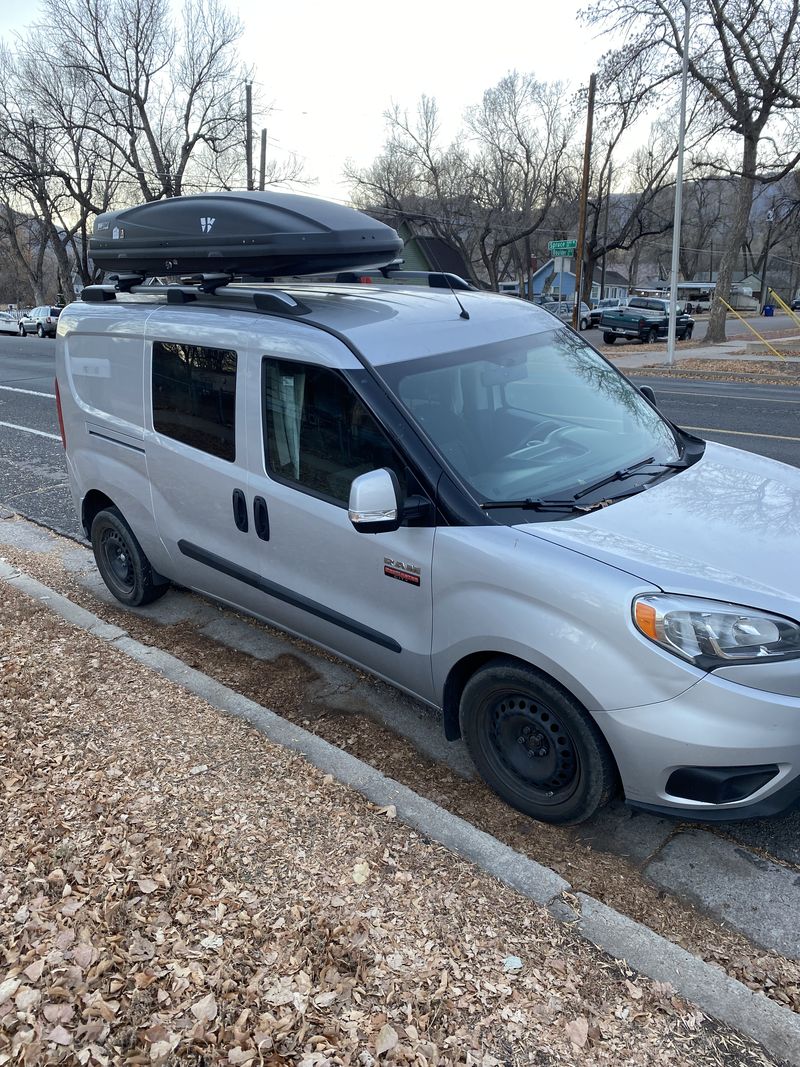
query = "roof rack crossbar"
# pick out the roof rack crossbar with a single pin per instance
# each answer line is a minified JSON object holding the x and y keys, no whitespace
{"x":208,"y":283}
{"x":98,"y":294}
{"x":435,"y":279}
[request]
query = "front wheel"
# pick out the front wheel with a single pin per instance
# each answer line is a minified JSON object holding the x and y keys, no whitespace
{"x":609,"y":338}
{"x":584,"y":324}
{"x":122,"y":564}
{"x":534,"y":744}
{"x":21,"y":330}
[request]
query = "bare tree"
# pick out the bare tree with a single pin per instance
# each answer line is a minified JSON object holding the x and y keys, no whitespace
{"x":487,"y":192}
{"x":745,"y":68}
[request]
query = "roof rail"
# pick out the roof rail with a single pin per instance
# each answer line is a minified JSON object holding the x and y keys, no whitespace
{"x":205,"y":286}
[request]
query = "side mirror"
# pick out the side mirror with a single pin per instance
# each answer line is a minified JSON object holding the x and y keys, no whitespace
{"x":375,"y":502}
{"x":648,"y":394}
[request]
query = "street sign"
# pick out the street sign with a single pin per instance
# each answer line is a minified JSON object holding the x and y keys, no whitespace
{"x":562,"y":248}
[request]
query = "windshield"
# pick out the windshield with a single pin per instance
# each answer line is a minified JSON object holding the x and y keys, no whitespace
{"x":533,"y":417}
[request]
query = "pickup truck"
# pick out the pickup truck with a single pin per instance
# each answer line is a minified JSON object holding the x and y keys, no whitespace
{"x":646,"y":324}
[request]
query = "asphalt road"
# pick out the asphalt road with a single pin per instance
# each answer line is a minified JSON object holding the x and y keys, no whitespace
{"x":735,"y":329}
{"x":33,"y":481}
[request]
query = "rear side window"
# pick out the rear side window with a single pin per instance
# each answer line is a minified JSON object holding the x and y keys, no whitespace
{"x":194,"y":396}
{"x":53,"y":312}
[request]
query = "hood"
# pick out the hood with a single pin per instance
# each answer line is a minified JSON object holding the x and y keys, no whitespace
{"x":727,"y":528}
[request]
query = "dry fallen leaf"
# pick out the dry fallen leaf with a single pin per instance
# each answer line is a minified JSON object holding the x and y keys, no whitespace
{"x":147,"y":885}
{"x":206,"y":1009}
{"x":634,"y":990}
{"x":360,"y":872}
{"x":387,"y":1039}
{"x":578,"y":1031}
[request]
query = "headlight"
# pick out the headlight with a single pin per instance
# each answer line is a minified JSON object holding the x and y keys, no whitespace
{"x":710,"y":633}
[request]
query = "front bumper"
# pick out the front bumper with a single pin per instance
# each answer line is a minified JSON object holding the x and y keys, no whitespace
{"x":715,"y":723}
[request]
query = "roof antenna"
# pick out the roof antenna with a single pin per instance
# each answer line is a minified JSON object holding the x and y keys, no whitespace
{"x":464,"y":313}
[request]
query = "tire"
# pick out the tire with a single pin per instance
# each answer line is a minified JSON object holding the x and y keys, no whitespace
{"x":584,"y":324}
{"x":122,"y":564}
{"x":651,"y":337}
{"x":22,"y":331}
{"x":609,"y":338}
{"x":687,"y":335}
{"x":39,"y":331}
{"x":534,"y":745}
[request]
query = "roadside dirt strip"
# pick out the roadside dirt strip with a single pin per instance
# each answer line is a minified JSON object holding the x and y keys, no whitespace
{"x":139,"y":819}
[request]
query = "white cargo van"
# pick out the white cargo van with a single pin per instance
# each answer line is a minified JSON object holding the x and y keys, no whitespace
{"x":450,"y":489}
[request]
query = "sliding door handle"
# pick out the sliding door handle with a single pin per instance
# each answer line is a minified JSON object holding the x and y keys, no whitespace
{"x":240,"y":510}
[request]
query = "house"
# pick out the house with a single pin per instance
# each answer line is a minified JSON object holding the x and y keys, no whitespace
{"x":547,"y":282}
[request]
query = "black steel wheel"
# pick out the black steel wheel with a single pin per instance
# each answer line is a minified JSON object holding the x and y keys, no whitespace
{"x":534,"y":744}
{"x":122,"y":564}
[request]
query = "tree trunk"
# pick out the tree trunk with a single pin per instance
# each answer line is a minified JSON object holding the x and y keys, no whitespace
{"x":736,"y":235}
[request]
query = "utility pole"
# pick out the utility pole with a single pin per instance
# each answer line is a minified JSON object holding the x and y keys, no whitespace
{"x":262,"y":173}
{"x":764,"y":291}
{"x":676,"y":219}
{"x":248,"y":97}
{"x":605,"y":233}
{"x":587,"y":155}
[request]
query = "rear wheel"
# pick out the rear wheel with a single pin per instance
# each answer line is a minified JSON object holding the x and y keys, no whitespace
{"x":21,"y":330}
{"x":651,"y":337}
{"x":123,"y":565}
{"x":534,"y":744}
{"x":39,"y":330}
{"x":609,"y":338}
{"x":584,"y":324}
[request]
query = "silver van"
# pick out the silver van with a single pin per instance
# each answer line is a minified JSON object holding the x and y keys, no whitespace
{"x":457,"y":493}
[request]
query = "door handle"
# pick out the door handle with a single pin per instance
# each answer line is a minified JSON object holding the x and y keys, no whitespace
{"x":240,"y":510}
{"x":261,"y":518}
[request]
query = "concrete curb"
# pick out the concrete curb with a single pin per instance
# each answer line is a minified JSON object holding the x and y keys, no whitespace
{"x":705,"y":984}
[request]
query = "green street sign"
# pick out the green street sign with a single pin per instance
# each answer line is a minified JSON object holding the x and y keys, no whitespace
{"x":562,"y":248}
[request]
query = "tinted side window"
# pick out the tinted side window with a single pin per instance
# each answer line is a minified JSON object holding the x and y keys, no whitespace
{"x":194,"y":396}
{"x":318,"y":435}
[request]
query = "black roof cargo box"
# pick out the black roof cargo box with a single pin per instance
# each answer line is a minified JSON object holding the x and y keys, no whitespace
{"x":256,"y":234}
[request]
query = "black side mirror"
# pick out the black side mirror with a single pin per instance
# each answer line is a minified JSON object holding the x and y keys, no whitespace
{"x":648,"y":394}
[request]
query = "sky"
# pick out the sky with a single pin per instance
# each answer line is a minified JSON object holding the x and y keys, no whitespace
{"x":330,"y":70}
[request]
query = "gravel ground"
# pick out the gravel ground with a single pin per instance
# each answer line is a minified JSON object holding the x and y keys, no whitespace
{"x":176,"y":889}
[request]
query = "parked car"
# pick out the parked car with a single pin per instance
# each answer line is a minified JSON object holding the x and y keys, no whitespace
{"x":8,"y":323}
{"x":657,"y":303}
{"x":796,"y":304}
{"x":644,"y":324}
{"x":608,"y":303}
{"x":451,"y":490}
{"x":563,"y":310}
{"x":41,"y":321}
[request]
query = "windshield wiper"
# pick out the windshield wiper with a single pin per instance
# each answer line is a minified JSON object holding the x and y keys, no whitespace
{"x":534,"y":504}
{"x":627,"y":472}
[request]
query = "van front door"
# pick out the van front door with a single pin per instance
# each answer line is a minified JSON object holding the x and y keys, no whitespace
{"x":365,"y":596}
